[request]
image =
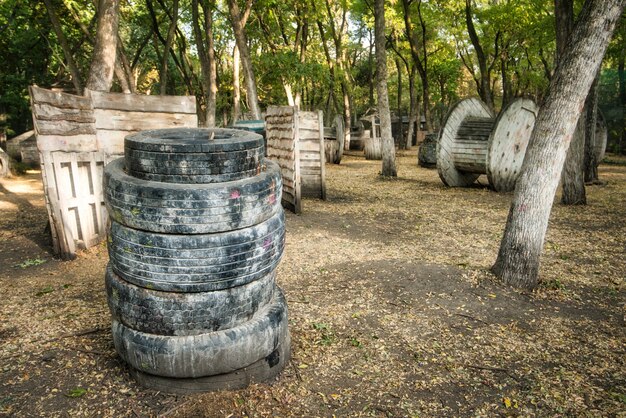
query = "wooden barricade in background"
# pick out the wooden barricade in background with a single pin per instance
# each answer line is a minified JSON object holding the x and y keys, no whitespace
{"x":295,"y":140}
{"x":76,"y":137}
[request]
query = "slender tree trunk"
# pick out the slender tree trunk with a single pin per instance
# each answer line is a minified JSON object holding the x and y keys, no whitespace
{"x":212,"y":98}
{"x":518,"y":259}
{"x":236,"y":84}
{"x":485,"y":91}
{"x":621,"y":70}
{"x":370,"y":68}
{"x":591,"y":119}
{"x":573,"y":178}
{"x":207,"y":59}
{"x":402,"y":144}
{"x":421,"y":63}
{"x":389,"y":150}
{"x":168,"y":45}
{"x":67,"y":52}
{"x":244,"y":52}
{"x":412,"y":108}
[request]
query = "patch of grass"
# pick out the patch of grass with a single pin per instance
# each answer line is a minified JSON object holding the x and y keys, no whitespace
{"x":31,"y":262}
{"x":44,"y":291}
{"x":326,"y":335}
{"x":552,"y":284}
{"x":76,"y":392}
{"x":355,"y":343}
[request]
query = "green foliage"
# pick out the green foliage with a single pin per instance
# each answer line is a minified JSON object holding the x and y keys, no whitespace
{"x":287,"y":50}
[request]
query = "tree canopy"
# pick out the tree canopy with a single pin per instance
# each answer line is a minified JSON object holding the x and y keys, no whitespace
{"x":317,"y":53}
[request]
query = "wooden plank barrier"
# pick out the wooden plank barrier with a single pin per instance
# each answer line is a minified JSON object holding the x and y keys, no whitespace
{"x":473,"y":142}
{"x":76,"y":137}
{"x":295,"y":140}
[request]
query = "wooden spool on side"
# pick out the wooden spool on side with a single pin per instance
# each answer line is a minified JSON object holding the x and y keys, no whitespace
{"x":508,"y":142}
{"x":469,"y":151}
{"x":453,"y":151}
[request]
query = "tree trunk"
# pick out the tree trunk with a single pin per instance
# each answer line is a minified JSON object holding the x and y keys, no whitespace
{"x":168,"y":45}
{"x":236,"y":84}
{"x":389,"y":150}
{"x":518,"y":259}
{"x":244,"y":53}
{"x":621,"y":70}
{"x":67,"y":52}
{"x":412,"y":108}
{"x":206,"y":55}
{"x":485,"y":83}
{"x":105,"y":50}
{"x":421,"y":63}
{"x":591,"y":105}
{"x":402,"y":144}
{"x":573,"y":171}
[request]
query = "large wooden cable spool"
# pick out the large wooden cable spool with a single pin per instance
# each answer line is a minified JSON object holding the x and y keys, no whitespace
{"x":474,"y":142}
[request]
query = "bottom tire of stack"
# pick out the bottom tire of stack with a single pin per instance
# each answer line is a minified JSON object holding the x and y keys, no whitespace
{"x":253,"y":351}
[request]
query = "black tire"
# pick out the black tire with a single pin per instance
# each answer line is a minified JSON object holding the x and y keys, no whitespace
{"x":198,"y":168}
{"x":167,"y":313}
{"x":192,"y":140}
{"x":190,"y":208}
{"x":207,"y":354}
{"x":260,"y":371}
{"x":196,"y":263}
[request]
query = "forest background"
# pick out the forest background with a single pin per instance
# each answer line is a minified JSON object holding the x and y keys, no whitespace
{"x":318,"y":54}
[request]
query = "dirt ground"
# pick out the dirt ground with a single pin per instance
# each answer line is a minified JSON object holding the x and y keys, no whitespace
{"x":392,"y":310}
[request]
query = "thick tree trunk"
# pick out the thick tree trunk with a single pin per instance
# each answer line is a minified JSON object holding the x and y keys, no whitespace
{"x":389,"y":150}
{"x":67,"y":52}
{"x":573,"y":171}
{"x":105,"y":50}
{"x":244,"y":53}
{"x":591,"y":106}
{"x":573,"y":175}
{"x":518,"y":259}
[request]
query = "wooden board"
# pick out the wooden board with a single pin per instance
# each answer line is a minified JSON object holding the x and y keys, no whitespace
{"x":281,"y":126}
{"x":312,"y":154}
{"x":76,"y":137}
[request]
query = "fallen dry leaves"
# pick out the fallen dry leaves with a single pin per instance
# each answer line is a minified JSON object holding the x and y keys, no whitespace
{"x":392,"y":310}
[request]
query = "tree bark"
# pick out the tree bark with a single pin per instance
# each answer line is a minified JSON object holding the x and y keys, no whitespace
{"x":389,"y":150}
{"x":591,"y":119}
{"x":207,"y":59}
{"x":67,"y":52}
{"x":485,"y":83}
{"x":420,"y":56}
{"x":242,"y":43}
{"x":402,"y":144}
{"x":573,"y":171}
{"x":168,"y":45}
{"x":518,"y":259}
{"x":105,"y":50}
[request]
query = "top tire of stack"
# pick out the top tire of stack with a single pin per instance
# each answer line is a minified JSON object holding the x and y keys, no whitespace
{"x":193,"y":155}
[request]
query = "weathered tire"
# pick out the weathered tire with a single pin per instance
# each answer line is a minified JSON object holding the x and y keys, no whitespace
{"x":205,"y":354}
{"x":196,"y":263}
{"x":167,"y":313}
{"x":193,"y":155}
{"x":260,"y":371}
{"x":191,"y":208}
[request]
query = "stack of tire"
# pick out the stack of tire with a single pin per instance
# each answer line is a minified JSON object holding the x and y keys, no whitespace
{"x":197,"y":232}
